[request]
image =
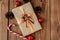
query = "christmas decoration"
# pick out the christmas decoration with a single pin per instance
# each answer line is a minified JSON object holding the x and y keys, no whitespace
{"x":30,"y":37}
{"x":37,"y":9}
{"x":14,"y":33}
{"x":18,"y":3}
{"x":26,"y":17}
{"x":9,"y":15}
{"x":40,"y":20}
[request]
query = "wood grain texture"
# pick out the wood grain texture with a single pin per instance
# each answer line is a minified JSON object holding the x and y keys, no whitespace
{"x":0,"y":19}
{"x":44,"y":34}
{"x":50,"y":12}
{"x":11,"y":36}
{"x":3,"y":23}
{"x":55,"y":20}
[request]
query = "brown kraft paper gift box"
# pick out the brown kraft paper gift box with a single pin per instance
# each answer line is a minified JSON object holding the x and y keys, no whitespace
{"x":26,"y":19}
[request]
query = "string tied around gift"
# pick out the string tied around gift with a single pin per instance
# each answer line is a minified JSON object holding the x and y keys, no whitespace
{"x":27,"y":19}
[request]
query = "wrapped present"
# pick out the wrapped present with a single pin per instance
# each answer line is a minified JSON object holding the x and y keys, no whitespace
{"x":26,"y":19}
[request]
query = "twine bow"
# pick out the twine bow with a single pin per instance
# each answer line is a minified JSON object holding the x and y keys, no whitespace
{"x":27,"y":19}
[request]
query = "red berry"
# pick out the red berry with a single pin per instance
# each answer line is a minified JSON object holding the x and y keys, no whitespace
{"x":30,"y":37}
{"x":40,"y":20}
{"x":17,"y":3}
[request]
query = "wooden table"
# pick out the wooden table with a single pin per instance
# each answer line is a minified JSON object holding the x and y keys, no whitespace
{"x":50,"y":12}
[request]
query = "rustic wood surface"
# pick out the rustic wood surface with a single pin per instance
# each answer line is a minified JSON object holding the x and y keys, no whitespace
{"x":3,"y":20}
{"x":50,"y":12}
{"x":55,"y":20}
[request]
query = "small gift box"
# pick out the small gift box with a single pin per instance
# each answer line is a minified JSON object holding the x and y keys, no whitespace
{"x":26,"y":19}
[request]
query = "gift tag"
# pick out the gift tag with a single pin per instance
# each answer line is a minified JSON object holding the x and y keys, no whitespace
{"x":26,"y":19}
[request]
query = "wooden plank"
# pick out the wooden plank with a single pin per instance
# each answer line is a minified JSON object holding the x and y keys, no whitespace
{"x":44,"y":34}
{"x":4,"y":9}
{"x":0,"y":19}
{"x":50,"y":25}
{"x":58,"y":29}
{"x":55,"y":20}
{"x":11,"y":36}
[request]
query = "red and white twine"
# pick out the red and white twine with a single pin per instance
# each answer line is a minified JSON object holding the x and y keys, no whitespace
{"x":14,"y":33}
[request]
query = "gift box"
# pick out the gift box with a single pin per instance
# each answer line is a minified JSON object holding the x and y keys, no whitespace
{"x":26,"y":19}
